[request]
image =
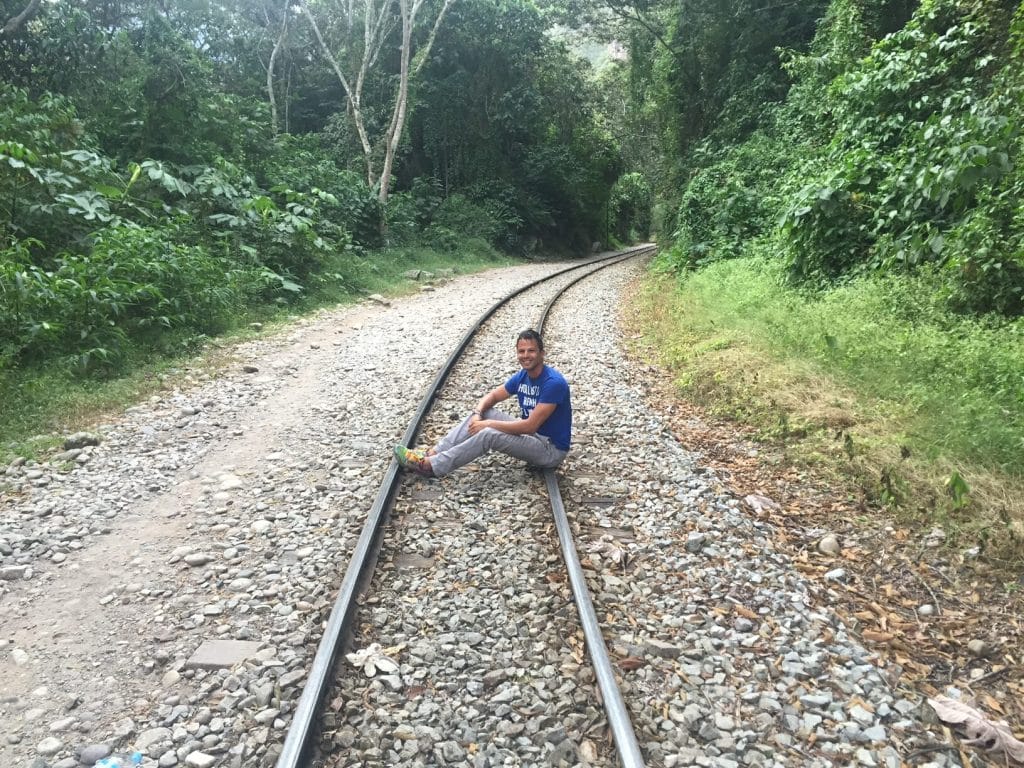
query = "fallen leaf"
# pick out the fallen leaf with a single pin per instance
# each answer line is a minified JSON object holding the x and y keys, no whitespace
{"x":631,"y":662}
{"x":874,"y":636}
{"x":981,"y":732}
{"x":745,"y":612}
{"x":373,"y":660}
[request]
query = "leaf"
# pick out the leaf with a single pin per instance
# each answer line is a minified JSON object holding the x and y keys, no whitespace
{"x":372,"y":659}
{"x":981,"y":732}
{"x":631,"y":662}
{"x":874,"y":636}
{"x":608,"y":547}
{"x":761,"y":503}
{"x":745,"y":612}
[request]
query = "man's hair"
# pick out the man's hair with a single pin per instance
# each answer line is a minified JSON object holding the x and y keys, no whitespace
{"x":531,"y":335}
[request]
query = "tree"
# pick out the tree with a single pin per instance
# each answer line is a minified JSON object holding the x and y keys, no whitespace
{"x":378,"y":22}
{"x":14,"y":23}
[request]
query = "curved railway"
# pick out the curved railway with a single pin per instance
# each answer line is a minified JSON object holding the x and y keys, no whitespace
{"x":309,"y":718}
{"x":234,"y":519}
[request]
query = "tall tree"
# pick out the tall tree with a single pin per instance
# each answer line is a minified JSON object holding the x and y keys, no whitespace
{"x":362,"y":52}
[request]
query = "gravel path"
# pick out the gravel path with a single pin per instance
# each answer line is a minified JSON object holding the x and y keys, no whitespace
{"x":163,"y":591}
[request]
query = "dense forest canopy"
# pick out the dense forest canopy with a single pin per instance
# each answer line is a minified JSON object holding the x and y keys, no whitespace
{"x":165,"y":163}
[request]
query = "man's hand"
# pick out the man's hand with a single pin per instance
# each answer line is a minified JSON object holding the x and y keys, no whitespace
{"x":477,"y":423}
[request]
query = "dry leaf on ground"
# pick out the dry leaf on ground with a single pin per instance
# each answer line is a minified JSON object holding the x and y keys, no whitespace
{"x":372,"y":659}
{"x":981,"y":732}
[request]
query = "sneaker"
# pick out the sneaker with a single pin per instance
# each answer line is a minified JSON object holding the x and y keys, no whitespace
{"x":413,"y":461}
{"x":407,"y":456}
{"x":421,"y":468}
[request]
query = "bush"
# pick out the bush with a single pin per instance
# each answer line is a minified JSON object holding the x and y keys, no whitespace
{"x":131,"y":285}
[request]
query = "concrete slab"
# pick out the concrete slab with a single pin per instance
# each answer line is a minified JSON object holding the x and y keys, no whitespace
{"x":218,"y":654}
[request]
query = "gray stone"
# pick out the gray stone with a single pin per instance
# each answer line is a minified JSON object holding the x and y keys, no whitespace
{"x":93,"y":752}
{"x":979,"y":648}
{"x":80,"y":440}
{"x":829,"y":545}
{"x":662,"y":650}
{"x":837,"y":574}
{"x":220,"y":654}
{"x":695,"y":541}
{"x":49,"y":746}
{"x":200,"y":760}
{"x":876,"y":733}
{"x":15,"y":572}
{"x":151,"y":737}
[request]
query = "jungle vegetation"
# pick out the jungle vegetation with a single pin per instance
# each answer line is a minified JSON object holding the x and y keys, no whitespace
{"x":839,"y":194}
{"x":833,"y":181}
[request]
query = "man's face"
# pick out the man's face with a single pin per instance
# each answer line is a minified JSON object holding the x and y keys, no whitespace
{"x":528,"y":354}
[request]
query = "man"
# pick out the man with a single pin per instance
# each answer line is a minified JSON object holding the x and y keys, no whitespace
{"x":541,"y":435}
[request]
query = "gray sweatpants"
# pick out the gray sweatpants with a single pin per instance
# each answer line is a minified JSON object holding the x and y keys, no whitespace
{"x":458,"y":447}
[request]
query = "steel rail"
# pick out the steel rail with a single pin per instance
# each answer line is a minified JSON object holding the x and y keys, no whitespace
{"x":297,"y":741}
{"x":618,"y":716}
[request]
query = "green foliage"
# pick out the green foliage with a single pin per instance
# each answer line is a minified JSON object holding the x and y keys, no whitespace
{"x":957,"y":382}
{"x":504,"y":121}
{"x":899,"y":147}
{"x":630,"y":208}
{"x":729,"y":201}
{"x":133,"y":282}
{"x":923,"y":162}
{"x":306,"y":163}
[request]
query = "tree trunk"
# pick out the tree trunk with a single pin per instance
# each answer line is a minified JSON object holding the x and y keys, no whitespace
{"x":14,"y":23}
{"x":377,"y":24}
{"x":394,"y":134}
{"x":270,"y":70}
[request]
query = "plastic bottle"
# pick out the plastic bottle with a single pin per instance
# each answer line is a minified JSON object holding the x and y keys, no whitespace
{"x":120,"y":761}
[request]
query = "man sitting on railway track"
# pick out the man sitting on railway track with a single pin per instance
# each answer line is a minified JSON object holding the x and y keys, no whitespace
{"x":541,"y":436}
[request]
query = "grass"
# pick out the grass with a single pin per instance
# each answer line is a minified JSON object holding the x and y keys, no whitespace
{"x":874,"y":381}
{"x":41,"y":402}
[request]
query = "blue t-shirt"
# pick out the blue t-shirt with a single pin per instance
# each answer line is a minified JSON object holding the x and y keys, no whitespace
{"x":549,"y":387}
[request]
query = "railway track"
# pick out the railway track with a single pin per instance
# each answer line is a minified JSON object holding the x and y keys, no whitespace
{"x":416,"y":608}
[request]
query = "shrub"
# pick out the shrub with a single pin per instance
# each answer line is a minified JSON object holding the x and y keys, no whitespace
{"x":131,"y":285}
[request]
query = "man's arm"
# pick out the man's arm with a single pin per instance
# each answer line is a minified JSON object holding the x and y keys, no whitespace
{"x":490,"y":400}
{"x":528,"y":426}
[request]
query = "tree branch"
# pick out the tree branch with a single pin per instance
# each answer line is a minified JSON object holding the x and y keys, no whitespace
{"x":623,"y":13}
{"x":14,"y":23}
{"x":424,"y":54}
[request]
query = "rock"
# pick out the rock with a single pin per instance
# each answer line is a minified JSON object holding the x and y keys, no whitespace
{"x":837,"y":574}
{"x":662,"y":650}
{"x":829,"y":545}
{"x":218,"y":654}
{"x":151,"y":737}
{"x":49,"y":746}
{"x":695,"y":541}
{"x":15,"y":572}
{"x":200,"y":760}
{"x":80,"y":440}
{"x":760,"y":503}
{"x":979,"y":648}
{"x":93,"y":752}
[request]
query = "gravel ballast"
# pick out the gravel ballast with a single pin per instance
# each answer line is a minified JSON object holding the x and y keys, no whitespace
{"x":164,"y":578}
